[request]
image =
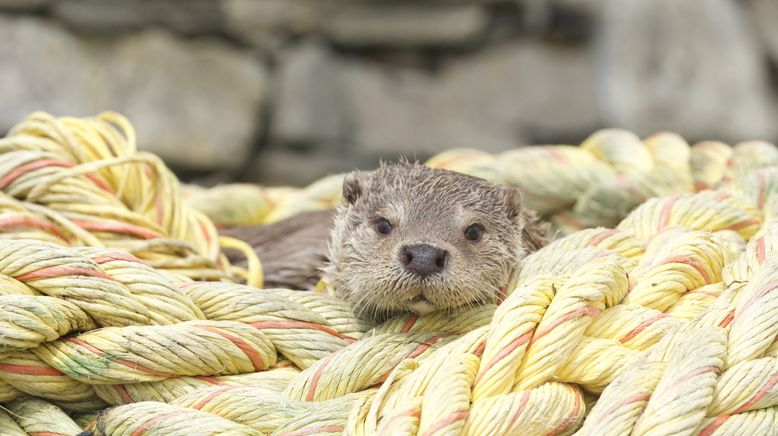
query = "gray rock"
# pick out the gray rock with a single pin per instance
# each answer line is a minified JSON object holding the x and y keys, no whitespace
{"x":393,"y":111}
{"x":282,"y":167}
{"x":574,"y":21}
{"x":266,"y":24}
{"x":103,"y":16}
{"x":404,"y":24}
{"x":46,"y":68}
{"x":587,"y":7}
{"x":544,"y":90}
{"x":195,"y":103}
{"x":310,"y":106}
{"x":764,"y":14}
{"x":689,"y":66}
{"x":23,"y":5}
{"x":190,"y":17}
{"x":495,"y":100}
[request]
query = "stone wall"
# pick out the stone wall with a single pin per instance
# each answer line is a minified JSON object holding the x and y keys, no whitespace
{"x":285,"y":91}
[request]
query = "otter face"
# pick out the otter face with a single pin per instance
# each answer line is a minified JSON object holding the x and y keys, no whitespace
{"x":408,"y":238}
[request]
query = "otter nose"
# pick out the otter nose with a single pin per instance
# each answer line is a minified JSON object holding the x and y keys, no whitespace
{"x":423,"y":259}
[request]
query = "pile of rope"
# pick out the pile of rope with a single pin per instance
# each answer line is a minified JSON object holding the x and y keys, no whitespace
{"x":595,"y":184}
{"x":118,"y":313}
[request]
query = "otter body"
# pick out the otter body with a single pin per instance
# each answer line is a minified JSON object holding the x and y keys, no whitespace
{"x":292,"y":251}
{"x":406,"y":238}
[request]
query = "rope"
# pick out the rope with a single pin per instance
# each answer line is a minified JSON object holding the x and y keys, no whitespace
{"x":321,"y":194}
{"x":27,"y":373}
{"x":335,"y":375}
{"x":83,"y":182}
{"x":300,"y":334}
{"x":171,"y":389}
{"x":161,"y":296}
{"x":661,"y":319}
{"x":64,"y":273}
{"x":8,"y":426}
{"x":688,"y":262}
{"x":261,"y":409}
{"x":122,"y":355}
{"x":595,"y":184}
{"x":83,"y":420}
{"x":152,"y":418}
{"x":8,"y":393}
{"x":29,"y":321}
{"x":253,"y":276}
{"x":230,"y":205}
{"x":37,"y":417}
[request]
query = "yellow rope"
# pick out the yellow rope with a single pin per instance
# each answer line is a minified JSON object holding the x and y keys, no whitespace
{"x":29,"y":374}
{"x":254,"y":275}
{"x":300,"y":334}
{"x":151,"y":418}
{"x":88,"y":175}
{"x":171,"y":389}
{"x":39,"y":417}
{"x":188,"y":348}
{"x":8,"y":393}
{"x":662,"y":319}
{"x":159,"y":293}
{"x":335,"y":375}
{"x":8,"y":426}
{"x":595,"y":184}
{"x":29,"y":321}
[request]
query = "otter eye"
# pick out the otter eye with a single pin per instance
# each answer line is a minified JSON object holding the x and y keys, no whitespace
{"x":383,"y":226}
{"x":473,"y":232}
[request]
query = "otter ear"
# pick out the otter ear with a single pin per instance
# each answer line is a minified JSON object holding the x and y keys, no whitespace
{"x":534,"y":234}
{"x":513,"y":202}
{"x":351,"y":187}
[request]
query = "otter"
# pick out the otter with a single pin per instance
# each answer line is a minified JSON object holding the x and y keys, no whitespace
{"x":405,"y":238}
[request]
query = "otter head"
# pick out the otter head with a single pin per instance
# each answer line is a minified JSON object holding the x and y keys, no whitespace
{"x":409,"y":238}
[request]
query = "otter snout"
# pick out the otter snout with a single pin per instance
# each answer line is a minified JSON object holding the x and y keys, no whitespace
{"x":423,"y":259}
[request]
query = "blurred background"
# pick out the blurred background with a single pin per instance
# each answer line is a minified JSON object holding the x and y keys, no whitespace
{"x":287,"y":91}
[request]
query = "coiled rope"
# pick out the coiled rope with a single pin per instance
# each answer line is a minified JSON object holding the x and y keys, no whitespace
{"x":113,"y":292}
{"x":83,"y":182}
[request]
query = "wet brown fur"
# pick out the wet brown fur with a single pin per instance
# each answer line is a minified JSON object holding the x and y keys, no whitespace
{"x":424,"y":205}
{"x":292,"y":251}
{"x":430,"y":206}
